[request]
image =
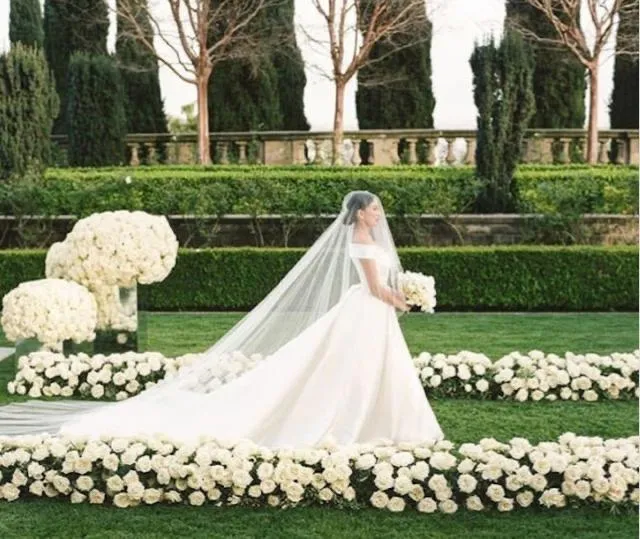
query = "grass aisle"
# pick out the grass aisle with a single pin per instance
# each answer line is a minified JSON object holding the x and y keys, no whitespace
{"x":462,"y":420}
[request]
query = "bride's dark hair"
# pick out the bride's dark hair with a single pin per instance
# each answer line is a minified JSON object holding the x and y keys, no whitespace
{"x":358,"y":200}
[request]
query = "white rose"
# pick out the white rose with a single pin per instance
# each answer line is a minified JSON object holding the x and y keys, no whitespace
{"x":448,"y":506}
{"x":396,"y":504}
{"x":506,"y":504}
{"x":474,"y":503}
{"x":427,"y":505}
{"x":379,"y":500}
{"x":84,"y":483}
{"x":467,"y":483}
{"x":495,"y":493}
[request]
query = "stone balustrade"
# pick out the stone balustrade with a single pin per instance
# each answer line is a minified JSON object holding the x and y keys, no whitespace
{"x":373,"y":147}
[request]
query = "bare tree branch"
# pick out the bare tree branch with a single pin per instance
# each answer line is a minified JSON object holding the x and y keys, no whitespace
{"x":375,"y":21}
{"x":567,"y":32}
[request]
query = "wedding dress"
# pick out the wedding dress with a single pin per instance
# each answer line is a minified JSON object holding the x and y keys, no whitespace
{"x":348,"y":377}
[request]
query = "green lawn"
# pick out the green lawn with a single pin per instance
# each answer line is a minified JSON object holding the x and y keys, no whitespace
{"x":461,"y":419}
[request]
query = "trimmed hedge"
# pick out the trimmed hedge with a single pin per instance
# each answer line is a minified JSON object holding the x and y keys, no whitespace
{"x":310,"y":190}
{"x":467,"y":279}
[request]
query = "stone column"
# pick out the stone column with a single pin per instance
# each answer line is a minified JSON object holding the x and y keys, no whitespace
{"x":432,"y":144}
{"x":135,"y":157}
{"x":565,"y":156}
{"x":632,"y":158}
{"x":413,"y":156}
{"x":546,"y":150}
{"x":621,"y":154}
{"x":451,"y":158}
{"x":355,"y":158}
{"x":603,"y":150}
{"x":224,"y":153}
{"x":242,"y":152}
{"x":470,"y":157}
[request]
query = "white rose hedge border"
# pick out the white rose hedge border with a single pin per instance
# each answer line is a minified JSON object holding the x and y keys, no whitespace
{"x":570,"y":472}
{"x":520,"y":377}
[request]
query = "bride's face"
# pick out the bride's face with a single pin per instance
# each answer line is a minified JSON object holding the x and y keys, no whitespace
{"x":370,"y":215}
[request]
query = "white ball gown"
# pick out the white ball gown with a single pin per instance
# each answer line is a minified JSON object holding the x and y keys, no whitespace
{"x":348,"y":378}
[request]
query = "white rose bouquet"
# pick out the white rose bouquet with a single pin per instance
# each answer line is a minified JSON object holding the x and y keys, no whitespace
{"x":51,"y":311}
{"x":419,"y":290}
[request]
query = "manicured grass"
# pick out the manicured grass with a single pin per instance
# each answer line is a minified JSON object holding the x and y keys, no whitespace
{"x":491,"y":334}
{"x":461,"y":419}
{"x":52,"y":519}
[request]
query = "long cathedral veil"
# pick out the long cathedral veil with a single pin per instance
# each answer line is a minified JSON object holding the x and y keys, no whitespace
{"x":315,"y":284}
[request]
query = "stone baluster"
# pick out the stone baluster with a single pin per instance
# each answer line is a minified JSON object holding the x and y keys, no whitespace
{"x":634,"y":150}
{"x":394,"y":146}
{"x":317,"y":145}
{"x":470,"y":156}
{"x":565,"y":150}
{"x":134,"y":161}
{"x":242,"y":152}
{"x":224,"y":153}
{"x":603,"y":149}
{"x":151,"y":153}
{"x":413,"y":154}
{"x":621,"y":153}
{"x":356,"y":160}
{"x":451,"y":156}
{"x":186,"y":153}
{"x":432,"y":146}
{"x":545,"y":145}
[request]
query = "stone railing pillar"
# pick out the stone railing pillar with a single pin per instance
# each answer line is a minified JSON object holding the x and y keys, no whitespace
{"x":413,"y":155}
{"x":134,"y":160}
{"x":470,"y":156}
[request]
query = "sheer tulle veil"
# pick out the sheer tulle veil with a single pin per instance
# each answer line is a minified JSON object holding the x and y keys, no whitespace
{"x":308,"y":291}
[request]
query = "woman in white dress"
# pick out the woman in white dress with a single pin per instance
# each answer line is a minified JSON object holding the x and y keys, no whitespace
{"x":336,"y":364}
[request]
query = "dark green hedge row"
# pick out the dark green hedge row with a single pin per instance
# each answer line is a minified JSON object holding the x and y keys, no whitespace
{"x":473,"y":279}
{"x":310,"y":190}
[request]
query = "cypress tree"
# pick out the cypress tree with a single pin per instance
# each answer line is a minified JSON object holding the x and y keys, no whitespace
{"x":78,"y":26}
{"x":25,"y":23}
{"x":28,"y":105}
{"x":394,"y":89}
{"x":242,"y":99}
{"x":289,"y":68}
{"x":559,"y":79}
{"x":503,"y":94}
{"x":243,"y":93}
{"x":268,"y":93}
{"x":144,"y":108}
{"x":623,"y":109}
{"x":95,"y":111}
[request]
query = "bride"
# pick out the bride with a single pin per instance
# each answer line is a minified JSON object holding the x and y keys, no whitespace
{"x":333,"y":362}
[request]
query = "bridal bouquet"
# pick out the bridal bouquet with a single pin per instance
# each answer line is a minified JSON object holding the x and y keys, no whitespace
{"x":419,"y":290}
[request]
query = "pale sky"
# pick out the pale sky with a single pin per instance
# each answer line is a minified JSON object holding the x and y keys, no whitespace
{"x":457,"y":23}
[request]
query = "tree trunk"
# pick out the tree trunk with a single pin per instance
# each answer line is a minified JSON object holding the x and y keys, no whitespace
{"x":338,"y":125}
{"x":592,"y":129}
{"x":204,"y":153}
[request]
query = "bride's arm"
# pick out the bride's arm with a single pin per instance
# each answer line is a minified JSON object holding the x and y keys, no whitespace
{"x":378,"y":289}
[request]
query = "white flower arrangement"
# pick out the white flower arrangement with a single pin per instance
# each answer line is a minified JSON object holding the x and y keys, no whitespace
{"x":119,"y":248}
{"x":532,"y":377}
{"x":115,"y":250}
{"x":419,"y":290}
{"x":115,"y":376}
{"x":51,"y":311}
{"x":427,"y":477}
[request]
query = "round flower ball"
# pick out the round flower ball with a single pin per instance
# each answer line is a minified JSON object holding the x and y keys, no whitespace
{"x":115,"y":248}
{"x":51,"y":311}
